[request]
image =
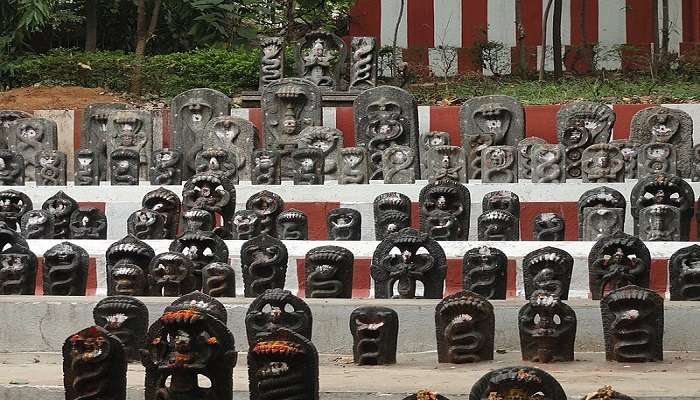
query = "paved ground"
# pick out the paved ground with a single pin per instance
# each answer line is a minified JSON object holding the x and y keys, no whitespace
{"x":39,"y":376}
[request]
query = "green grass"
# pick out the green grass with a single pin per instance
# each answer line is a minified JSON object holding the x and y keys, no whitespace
{"x":610,"y":89}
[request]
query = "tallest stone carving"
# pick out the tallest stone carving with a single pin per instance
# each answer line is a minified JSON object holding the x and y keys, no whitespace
{"x":501,"y":117}
{"x":385,"y":116}
{"x":272,"y":60}
{"x":320,"y":58}
{"x":94,"y":132}
{"x":31,"y":136}
{"x":191,"y":112}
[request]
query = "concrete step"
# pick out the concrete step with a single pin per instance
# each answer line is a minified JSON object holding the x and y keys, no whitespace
{"x":42,"y":323}
{"x":678,"y":377}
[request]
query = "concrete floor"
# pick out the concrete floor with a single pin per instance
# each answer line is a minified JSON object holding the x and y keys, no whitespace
{"x":39,"y":376}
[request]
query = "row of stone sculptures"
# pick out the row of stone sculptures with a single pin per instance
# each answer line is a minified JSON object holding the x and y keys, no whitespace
{"x":191,"y":339}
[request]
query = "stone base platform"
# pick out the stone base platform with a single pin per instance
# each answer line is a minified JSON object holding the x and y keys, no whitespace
{"x":39,"y":376}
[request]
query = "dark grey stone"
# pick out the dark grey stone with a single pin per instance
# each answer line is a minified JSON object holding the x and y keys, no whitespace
{"x":602,"y":163}
{"x":132,"y":130}
{"x":265,"y":168}
{"x":11,"y":168}
{"x":476,"y":145}
{"x":124,"y":167}
{"x":656,"y":158}
{"x":426,"y":141}
{"x":524,"y":161}
{"x":446,"y":162}
{"x":445,"y":208}
{"x":94,"y":132}
{"x":600,"y":197}
{"x":320,"y":58}
{"x":344,"y":224}
{"x":597,"y":118}
{"x":499,"y":165}
{"x":501,"y":200}
{"x":271,"y":60}
{"x":501,"y":117}
{"x":601,"y":221}
{"x":549,"y":227}
{"x":218,"y":161}
{"x":308,"y":166}
{"x":50,"y":168}
{"x":363,"y":67}
{"x":7,"y":119}
{"x":664,"y":189}
{"x":399,"y":165}
{"x":385,"y":116}
{"x":246,"y":225}
{"x":86,"y":168}
{"x":191,"y":111}
{"x":292,"y":224}
{"x":166,"y":167}
{"x":629,"y":152}
{"x":666,"y":125}
{"x":37,"y":224}
{"x":575,"y":140}
{"x":548,"y":164}
{"x":329,"y":141}
{"x":235,"y":135}
{"x":88,"y":223}
{"x":392,"y":212}
{"x":660,"y":223}
{"x":498,"y":225}
{"x":353,"y":166}
{"x":29,"y":136}
{"x":696,"y":164}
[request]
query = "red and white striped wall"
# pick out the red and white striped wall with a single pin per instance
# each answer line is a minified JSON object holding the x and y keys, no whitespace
{"x":425,"y":26}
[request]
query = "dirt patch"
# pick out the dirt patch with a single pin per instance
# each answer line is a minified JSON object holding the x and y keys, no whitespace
{"x":54,"y":98}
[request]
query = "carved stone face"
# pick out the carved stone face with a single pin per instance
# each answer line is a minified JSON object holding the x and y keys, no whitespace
{"x":47,"y":161}
{"x":30,"y":133}
{"x":128,"y":279}
{"x":289,"y":126}
{"x":226,"y":131}
{"x":89,"y":346}
{"x":169,"y":275}
{"x":663,"y":126}
{"x":84,"y":161}
{"x":497,"y":157}
{"x":493,"y":119}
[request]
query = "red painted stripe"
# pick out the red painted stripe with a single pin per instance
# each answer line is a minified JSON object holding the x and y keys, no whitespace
{"x":417,"y":60}
{"x":623,"y":118}
{"x":255,"y":116}
{"x":453,"y":278}
{"x":691,"y":20}
{"x":530,"y":209}
{"x":39,"y":286}
{"x":658,"y":279}
{"x":419,"y":20}
{"x":542,"y":122}
{"x":100,"y":205}
{"x":360,"y":278}
{"x":531,"y":12}
{"x":165,"y":116}
{"x":366,"y":19}
{"x":590,"y":21}
{"x":639,"y":24}
{"x":415,"y":215}
{"x":316,"y":215}
{"x":345,"y":122}
{"x":91,"y":277}
{"x":446,"y":119}
{"x":301,"y":278}
{"x":511,"y":272}
{"x":77,"y":116}
{"x":474,"y":22}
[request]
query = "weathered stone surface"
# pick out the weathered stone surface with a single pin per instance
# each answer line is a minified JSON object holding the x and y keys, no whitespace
{"x":62,"y":207}
{"x":191,"y":111}
{"x":289,"y":105}
{"x":146,"y":224}
{"x":476,"y":145}
{"x":37,"y":224}
{"x":7,"y":119}
{"x":88,"y":223}
{"x":344,"y":224}
{"x":124,"y":167}
{"x":327,"y":140}
{"x":660,"y":223}
{"x":521,"y":382}
{"x":219,"y":280}
{"x":132,"y":130}
{"x":409,"y":266}
{"x":427,"y":141}
{"x":126,"y":318}
{"x":696,"y":164}
{"x":484,"y":272}
{"x":684,"y":270}
{"x":13,"y":205}
{"x":374,"y":332}
{"x":271,"y":60}
{"x":29,"y":136}
{"x":219,"y":162}
{"x":363,"y":67}
{"x":392,"y":213}
{"x":524,"y":161}
{"x":446,"y":162}
{"x":633,"y":325}
{"x":666,"y":125}
{"x":166,"y":167}
{"x":328,"y":272}
{"x":166,"y":203}
{"x":501,"y":200}
{"x":548,"y":164}
{"x":94,"y":365}
{"x":597,"y":118}
{"x":51,"y":168}
{"x":499,"y":165}
{"x":629,"y":152}
{"x":65,"y":270}
{"x":602,"y":163}
{"x":548,"y":270}
{"x":11,"y":168}
{"x":656,"y":158}
{"x":198,"y":220}
{"x":399,"y":165}
{"x":320,"y":58}
{"x":385,"y":116}
{"x":87,"y":168}
{"x":18,"y":264}
{"x":235,"y":135}
{"x":202,"y":248}
{"x":210,"y":192}
{"x":95,"y":124}
{"x":547,"y":329}
{"x":292,"y":224}
{"x":445,"y":207}
{"x":246,"y":225}
{"x":264,"y":264}
{"x":128,"y":262}
{"x":617,"y":261}
{"x":464,"y":315}
{"x":498,"y":225}
{"x":501,"y":117}
{"x":266,"y":168}
{"x":268,"y":205}
{"x":575,"y":140}
{"x":353,"y":166}
{"x":663,"y":189}
{"x":591,"y":225}
{"x":549,"y":227}
{"x":277,"y":308}
{"x":308,"y":166}
{"x":171,"y":274}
